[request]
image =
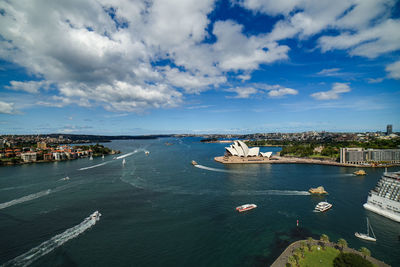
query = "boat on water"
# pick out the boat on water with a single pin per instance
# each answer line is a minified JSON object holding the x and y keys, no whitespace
{"x":320,"y":190}
{"x":384,"y":199}
{"x":194,"y":163}
{"x":123,"y":162}
{"x":95,"y":215}
{"x":102,"y":157}
{"x":147,"y":153}
{"x":65,"y":178}
{"x":367,"y":236}
{"x":360,"y":172}
{"x":91,"y":157}
{"x":246,"y":207}
{"x":323,"y":206}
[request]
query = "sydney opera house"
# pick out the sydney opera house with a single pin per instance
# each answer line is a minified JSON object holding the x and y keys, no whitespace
{"x":240,"y":149}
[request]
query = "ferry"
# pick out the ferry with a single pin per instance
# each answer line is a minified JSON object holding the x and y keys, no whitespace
{"x":319,"y":190}
{"x":194,"y":163}
{"x":95,"y":215}
{"x":384,"y":199}
{"x":246,"y":207}
{"x":323,"y":206}
{"x":360,"y":172}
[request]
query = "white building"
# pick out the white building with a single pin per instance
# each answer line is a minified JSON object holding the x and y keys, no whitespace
{"x":29,"y":156}
{"x":240,"y":149}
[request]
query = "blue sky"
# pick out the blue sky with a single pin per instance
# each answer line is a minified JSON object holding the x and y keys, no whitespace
{"x":188,"y":66}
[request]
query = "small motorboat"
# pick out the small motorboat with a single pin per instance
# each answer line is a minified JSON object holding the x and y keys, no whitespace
{"x":147,"y":153}
{"x":91,"y":157}
{"x":95,"y":215}
{"x":319,"y":190}
{"x":246,"y":207}
{"x":367,"y":236}
{"x":123,"y":162}
{"x":323,"y":206}
{"x":194,"y":163}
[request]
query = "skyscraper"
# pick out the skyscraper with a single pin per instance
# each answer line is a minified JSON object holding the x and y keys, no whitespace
{"x":389,"y":129}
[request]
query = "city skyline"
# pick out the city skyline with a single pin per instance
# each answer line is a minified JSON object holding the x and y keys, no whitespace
{"x":160,"y":67}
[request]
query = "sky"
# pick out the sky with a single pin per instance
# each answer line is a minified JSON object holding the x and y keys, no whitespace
{"x":188,"y":66}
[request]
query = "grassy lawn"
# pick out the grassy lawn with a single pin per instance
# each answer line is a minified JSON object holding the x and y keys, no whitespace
{"x":319,"y":257}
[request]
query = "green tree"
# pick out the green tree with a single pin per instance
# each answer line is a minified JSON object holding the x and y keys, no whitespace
{"x":351,"y":259}
{"x":366,"y":252}
{"x":310,"y":241}
{"x":292,"y":261}
{"x":324,"y":239}
{"x":342,"y":243}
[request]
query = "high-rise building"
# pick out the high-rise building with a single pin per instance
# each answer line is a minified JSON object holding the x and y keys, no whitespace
{"x":389,"y":129}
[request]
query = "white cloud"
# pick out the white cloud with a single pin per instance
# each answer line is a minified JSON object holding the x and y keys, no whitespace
{"x":7,"y":108}
{"x":329,"y":72}
{"x":30,"y":87}
{"x":273,"y":91}
{"x":113,"y":53}
{"x":394,"y":70}
{"x":334,"y":93}
{"x":282,"y":92}
{"x":243,"y":92}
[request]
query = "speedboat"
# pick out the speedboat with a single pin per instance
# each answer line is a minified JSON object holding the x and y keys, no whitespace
{"x":323,"y":206}
{"x":194,"y":163}
{"x":95,"y":215}
{"x":246,"y":207}
{"x":147,"y":153}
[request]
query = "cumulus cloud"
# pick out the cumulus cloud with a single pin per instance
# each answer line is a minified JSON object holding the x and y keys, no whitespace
{"x":364,"y":28}
{"x":394,"y":70}
{"x":6,"y":108}
{"x":30,"y":86}
{"x":274,"y":91}
{"x":334,"y":93}
{"x":126,"y":55}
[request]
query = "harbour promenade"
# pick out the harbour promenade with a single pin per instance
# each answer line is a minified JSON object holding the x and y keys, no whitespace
{"x":288,"y":160}
{"x":283,"y":258}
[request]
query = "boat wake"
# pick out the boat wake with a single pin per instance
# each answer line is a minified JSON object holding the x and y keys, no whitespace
{"x":34,"y":196}
{"x":273,"y":192}
{"x":55,"y":242}
{"x":24,"y":199}
{"x":128,"y":154}
{"x":213,"y":169}
{"x":94,"y":166}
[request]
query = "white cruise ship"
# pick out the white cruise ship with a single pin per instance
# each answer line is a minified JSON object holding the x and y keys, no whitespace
{"x":384,"y":199}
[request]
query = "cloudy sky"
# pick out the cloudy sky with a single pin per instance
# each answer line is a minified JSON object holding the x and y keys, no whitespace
{"x":189,"y":66}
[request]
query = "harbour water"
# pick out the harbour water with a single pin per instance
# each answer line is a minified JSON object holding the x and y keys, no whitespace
{"x":160,"y":210}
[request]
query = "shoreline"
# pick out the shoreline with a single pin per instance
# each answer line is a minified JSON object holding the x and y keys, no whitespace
{"x":283,"y":258}
{"x":291,"y":160}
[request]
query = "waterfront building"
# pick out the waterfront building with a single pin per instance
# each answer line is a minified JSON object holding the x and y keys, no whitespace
{"x":239,"y":148}
{"x":41,"y":145}
{"x":29,"y":156}
{"x":360,"y":155}
{"x":389,"y":129}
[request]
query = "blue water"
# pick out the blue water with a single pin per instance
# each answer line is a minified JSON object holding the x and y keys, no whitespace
{"x":159,"y":210}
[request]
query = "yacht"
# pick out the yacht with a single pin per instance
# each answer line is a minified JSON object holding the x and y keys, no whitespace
{"x":367,"y":236}
{"x":95,"y":215}
{"x":323,"y":206}
{"x":384,"y":199}
{"x":246,"y":207}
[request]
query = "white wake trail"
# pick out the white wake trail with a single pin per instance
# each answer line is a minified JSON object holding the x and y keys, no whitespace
{"x":94,"y":166}
{"x":55,"y":242}
{"x":128,"y":154}
{"x":214,"y":169}
{"x":24,"y":199}
{"x":35,"y":195}
{"x":273,"y":192}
